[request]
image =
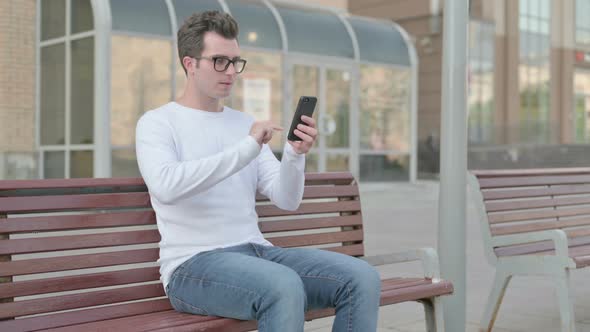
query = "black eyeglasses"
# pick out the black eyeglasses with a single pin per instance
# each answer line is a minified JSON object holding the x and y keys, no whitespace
{"x":221,"y":63}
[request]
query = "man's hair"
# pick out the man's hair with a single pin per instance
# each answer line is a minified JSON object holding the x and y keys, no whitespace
{"x":190,"y":35}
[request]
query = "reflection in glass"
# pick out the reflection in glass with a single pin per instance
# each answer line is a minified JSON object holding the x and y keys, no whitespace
{"x":53,"y":85}
{"x":534,"y":71}
{"x":316,"y":32}
{"x":305,"y":83}
{"x":337,"y":163}
{"x":258,"y":91}
{"x":140,"y":81}
{"x":154,"y":18}
{"x":384,"y":109}
{"x":81,"y":16}
{"x":185,"y":8}
{"x":582,"y":22}
{"x":380,"y":42}
{"x":258,"y":27}
{"x":82,"y":95}
{"x":81,"y":164}
{"x":335,"y":122}
{"x":582,"y":106}
{"x":124,"y":163}
{"x":481,"y":83}
{"x":377,"y":168}
{"x":54,"y":165}
{"x":53,"y":19}
{"x":311,"y":162}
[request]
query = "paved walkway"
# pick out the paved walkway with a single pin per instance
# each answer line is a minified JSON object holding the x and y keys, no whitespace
{"x":403,"y":216}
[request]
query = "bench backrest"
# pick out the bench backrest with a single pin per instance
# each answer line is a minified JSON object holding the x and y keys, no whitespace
{"x":80,"y":235}
{"x":529,"y":200}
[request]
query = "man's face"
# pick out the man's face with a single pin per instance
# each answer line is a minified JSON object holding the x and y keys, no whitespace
{"x":209,"y":81}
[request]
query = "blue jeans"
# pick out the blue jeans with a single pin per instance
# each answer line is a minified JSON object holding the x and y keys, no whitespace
{"x":276,"y":286}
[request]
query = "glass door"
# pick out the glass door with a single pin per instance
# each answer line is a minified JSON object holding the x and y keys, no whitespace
{"x":582,"y":106}
{"x":332,"y":85}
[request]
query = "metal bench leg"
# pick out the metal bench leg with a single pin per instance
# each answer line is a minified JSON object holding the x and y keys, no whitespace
{"x":566,"y":304}
{"x":434,"y":315}
{"x":501,"y":281}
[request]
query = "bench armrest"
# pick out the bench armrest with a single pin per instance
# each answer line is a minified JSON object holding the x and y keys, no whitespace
{"x":558,"y":237}
{"x":427,"y":256}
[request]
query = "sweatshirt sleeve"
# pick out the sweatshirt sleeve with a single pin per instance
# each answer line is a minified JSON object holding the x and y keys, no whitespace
{"x":169,"y":179}
{"x":282,"y":182}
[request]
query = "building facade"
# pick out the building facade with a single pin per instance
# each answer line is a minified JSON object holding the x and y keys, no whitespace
{"x":529,"y":79}
{"x":93,"y":67}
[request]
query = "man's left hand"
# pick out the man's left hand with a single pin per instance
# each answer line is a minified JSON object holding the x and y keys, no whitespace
{"x":307,"y":132}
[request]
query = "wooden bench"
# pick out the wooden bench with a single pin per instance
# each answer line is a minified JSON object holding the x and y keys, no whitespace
{"x":534,"y":222}
{"x":89,"y":247}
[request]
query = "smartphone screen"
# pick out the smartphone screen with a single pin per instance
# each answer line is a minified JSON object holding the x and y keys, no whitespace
{"x":305,"y":106}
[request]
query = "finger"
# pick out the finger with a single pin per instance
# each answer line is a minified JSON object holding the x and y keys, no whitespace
{"x":277,"y":128}
{"x":305,"y":137}
{"x":309,"y":120}
{"x":308,"y":130}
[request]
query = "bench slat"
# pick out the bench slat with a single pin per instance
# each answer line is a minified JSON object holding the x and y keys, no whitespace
{"x":536,"y":192}
{"x":79,"y":221}
{"x":311,"y":179}
{"x":310,"y":223}
{"x":94,"y":280}
{"x":28,"y":204}
{"x":315,"y":239}
{"x":504,"y":229}
{"x":350,"y":249}
{"x":416,"y":292}
{"x":538,"y":247}
{"x":523,"y":181}
{"x":310,"y":208}
{"x":533,"y":215}
{"x":323,"y":192}
{"x":85,"y":316}
{"x":56,"y":264}
{"x":65,"y":302}
{"x":535,"y":203}
{"x":184,"y":322}
{"x":25,"y":246}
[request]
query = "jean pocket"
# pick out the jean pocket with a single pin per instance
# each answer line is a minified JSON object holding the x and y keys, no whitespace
{"x":181,"y":306}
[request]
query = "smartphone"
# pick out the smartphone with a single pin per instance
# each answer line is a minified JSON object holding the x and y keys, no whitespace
{"x":305,"y":106}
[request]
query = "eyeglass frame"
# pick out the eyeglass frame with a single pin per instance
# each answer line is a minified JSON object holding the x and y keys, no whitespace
{"x":229,"y":62}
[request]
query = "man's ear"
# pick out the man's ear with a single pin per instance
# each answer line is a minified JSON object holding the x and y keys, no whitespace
{"x":186,"y":62}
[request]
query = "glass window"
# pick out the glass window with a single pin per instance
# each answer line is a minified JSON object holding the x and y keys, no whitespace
{"x":258,"y":27}
{"x":336,"y":127}
{"x":140,"y":81}
{"x":481,"y":83}
{"x":185,"y":8}
{"x":81,"y":164}
{"x":582,"y":106}
{"x":81,"y":16}
{"x":306,"y":82}
{"x":154,"y":18}
{"x":316,"y":33}
{"x":582,"y":22}
{"x":380,"y":42}
{"x":384,"y":109}
{"x":53,"y":86}
{"x":337,"y":163}
{"x":53,"y":19}
{"x":82,"y":94}
{"x":387,"y":167}
{"x":534,"y":72}
{"x":54,"y":165}
{"x":258,"y":90}
{"x":124,"y":163}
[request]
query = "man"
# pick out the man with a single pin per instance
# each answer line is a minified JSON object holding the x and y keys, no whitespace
{"x":203,"y":164}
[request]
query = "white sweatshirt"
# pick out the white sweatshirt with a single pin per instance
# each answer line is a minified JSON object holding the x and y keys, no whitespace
{"x":202,"y":170}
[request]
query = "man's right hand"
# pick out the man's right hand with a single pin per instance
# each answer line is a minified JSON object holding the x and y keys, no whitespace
{"x":262,"y":131}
